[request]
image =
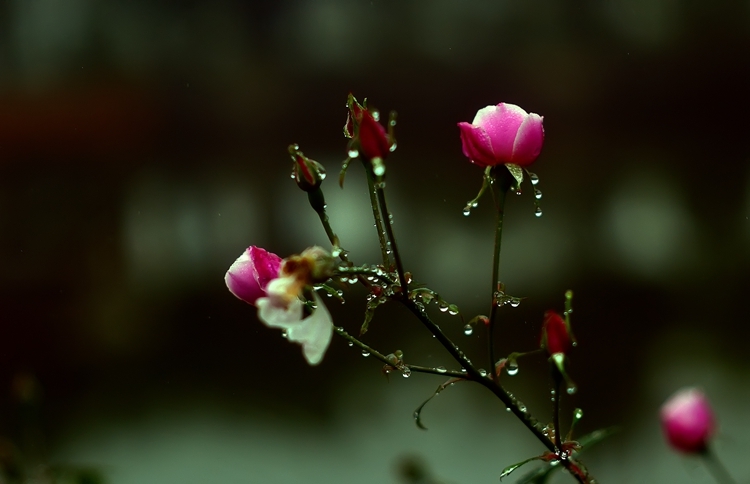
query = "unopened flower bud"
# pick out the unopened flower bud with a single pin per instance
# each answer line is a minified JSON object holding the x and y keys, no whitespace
{"x":502,"y":134}
{"x":308,"y":174}
{"x":688,"y":421}
{"x":248,"y":277}
{"x":556,"y":336}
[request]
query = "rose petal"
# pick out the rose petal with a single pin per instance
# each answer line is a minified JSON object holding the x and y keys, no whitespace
{"x":249,"y":275}
{"x":476,"y":145}
{"x":501,"y":125}
{"x":529,"y":140}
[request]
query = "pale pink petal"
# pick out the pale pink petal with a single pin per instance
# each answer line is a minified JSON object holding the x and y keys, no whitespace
{"x":529,"y":140}
{"x":476,"y":145}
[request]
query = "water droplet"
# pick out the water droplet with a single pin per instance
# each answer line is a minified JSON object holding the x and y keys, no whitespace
{"x":340,"y":293}
{"x":392,"y":122}
{"x":474,"y":204}
{"x":571,"y":389}
{"x":538,"y":211}
{"x":441,"y":369}
{"x":443,"y":306}
{"x":512,"y":369}
{"x":463,"y":370}
{"x":353,"y":153}
{"x":329,"y":294}
{"x":522,"y":408}
{"x":507,"y":409}
{"x":575,"y":343}
{"x":379,"y":170}
{"x":284,"y":334}
{"x":392,"y":148}
{"x":351,"y":344}
{"x":468,"y":330}
{"x":482,"y":372}
{"x":452,"y":309}
{"x":537,"y":194}
{"x":353,"y":280}
{"x":519,"y":191}
{"x":375,"y":115}
{"x":578,"y":414}
{"x":365,"y":353}
{"x":322,"y":175}
{"x":515,"y":302}
{"x":467,"y":209}
{"x":406,"y":372}
{"x":534,"y":179}
{"x":294,"y":176}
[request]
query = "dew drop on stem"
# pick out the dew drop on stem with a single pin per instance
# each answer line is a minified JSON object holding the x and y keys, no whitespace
{"x":538,"y":211}
{"x":537,"y":194}
{"x":406,"y":372}
{"x":468,"y":330}
{"x":512,"y":369}
{"x":353,"y":153}
{"x":365,"y":353}
{"x":441,"y":369}
{"x":571,"y":389}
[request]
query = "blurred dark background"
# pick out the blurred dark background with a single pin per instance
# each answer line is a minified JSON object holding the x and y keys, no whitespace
{"x":143,"y":148}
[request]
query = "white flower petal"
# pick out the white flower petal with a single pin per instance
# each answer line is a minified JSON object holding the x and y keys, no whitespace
{"x":314,"y":333}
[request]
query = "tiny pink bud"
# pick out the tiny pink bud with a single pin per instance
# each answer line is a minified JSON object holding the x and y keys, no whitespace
{"x":502,"y":134}
{"x":687,"y":421}
{"x":555,"y":334}
{"x":248,"y":277}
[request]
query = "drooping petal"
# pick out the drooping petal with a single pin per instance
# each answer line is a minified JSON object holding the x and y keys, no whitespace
{"x":501,"y":125}
{"x":529,"y":140}
{"x":476,"y":145}
{"x":249,"y":275}
{"x":314,"y":333}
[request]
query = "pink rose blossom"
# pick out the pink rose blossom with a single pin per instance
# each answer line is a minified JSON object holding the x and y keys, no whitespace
{"x":688,"y":421}
{"x":248,"y":277}
{"x":502,"y":134}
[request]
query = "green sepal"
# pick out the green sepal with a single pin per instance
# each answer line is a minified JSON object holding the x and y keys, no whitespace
{"x":517,"y":173}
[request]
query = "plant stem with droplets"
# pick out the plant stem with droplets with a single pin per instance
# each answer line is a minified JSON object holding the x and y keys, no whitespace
{"x":500,"y":185}
{"x":377,"y":215}
{"x":474,"y":375}
{"x":557,"y":379}
{"x":380,"y":356}
{"x":380,"y":195}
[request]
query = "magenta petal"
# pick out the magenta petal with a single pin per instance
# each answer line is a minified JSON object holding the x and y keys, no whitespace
{"x":476,"y":145}
{"x":373,"y":139}
{"x":249,"y":275}
{"x":501,"y":125}
{"x":529,"y":140}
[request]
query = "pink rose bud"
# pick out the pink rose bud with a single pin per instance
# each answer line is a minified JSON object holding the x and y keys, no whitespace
{"x":687,"y":421}
{"x":373,"y":139}
{"x":555,"y":334}
{"x":502,"y":134}
{"x":248,"y":277}
{"x":309,"y":174}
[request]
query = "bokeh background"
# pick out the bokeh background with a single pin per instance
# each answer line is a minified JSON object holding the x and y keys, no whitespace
{"x":143,"y":147}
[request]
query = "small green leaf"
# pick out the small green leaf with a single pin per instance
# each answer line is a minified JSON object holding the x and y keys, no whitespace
{"x":517,"y":173}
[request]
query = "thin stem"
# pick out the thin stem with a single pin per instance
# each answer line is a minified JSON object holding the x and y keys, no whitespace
{"x":380,"y":356}
{"x":392,"y":238}
{"x":557,"y":379}
{"x":500,"y":186}
{"x":716,"y":467}
{"x":377,"y":215}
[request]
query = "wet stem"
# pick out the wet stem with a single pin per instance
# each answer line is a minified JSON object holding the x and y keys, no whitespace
{"x":500,"y":186}
{"x":378,"y":216}
{"x":385,"y":233}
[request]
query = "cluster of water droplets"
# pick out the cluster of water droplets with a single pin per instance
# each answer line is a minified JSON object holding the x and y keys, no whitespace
{"x":534,"y":179}
{"x":501,"y":299}
{"x":469,"y":206}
